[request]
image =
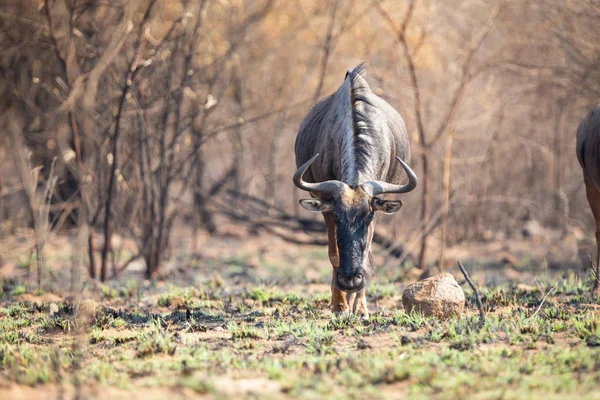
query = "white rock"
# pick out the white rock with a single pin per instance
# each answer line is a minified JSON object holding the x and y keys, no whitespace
{"x":439,"y":296}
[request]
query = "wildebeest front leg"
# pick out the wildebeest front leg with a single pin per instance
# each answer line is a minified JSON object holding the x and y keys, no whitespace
{"x":338,"y":298}
{"x":350,"y":297}
{"x":358,"y":303}
{"x":359,"y":306}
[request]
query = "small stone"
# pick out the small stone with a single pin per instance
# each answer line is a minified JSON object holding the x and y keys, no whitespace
{"x":439,"y":296}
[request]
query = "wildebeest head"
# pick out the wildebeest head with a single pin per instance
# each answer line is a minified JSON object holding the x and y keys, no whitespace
{"x":353,"y":209}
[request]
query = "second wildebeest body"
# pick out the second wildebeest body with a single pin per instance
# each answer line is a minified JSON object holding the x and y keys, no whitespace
{"x":588,"y":154}
{"x":359,"y":139}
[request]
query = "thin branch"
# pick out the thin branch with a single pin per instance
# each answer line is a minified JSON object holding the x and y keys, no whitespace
{"x":327,"y":47}
{"x":542,"y":303}
{"x":59,"y":56}
{"x":407,"y":17}
{"x":477,"y":296}
{"x":126,"y":264}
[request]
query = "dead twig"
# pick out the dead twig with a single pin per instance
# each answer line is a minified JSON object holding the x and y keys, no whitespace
{"x":477,"y":296}
{"x":542,"y":303}
{"x":126,"y":264}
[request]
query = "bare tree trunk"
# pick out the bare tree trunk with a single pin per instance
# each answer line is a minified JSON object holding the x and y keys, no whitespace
{"x":110,"y":192}
{"x":560,"y":200}
{"x":424,"y":212}
{"x":91,"y":253}
{"x":445,"y":196}
{"x":203,"y":214}
{"x":39,"y":254}
{"x":273,"y":161}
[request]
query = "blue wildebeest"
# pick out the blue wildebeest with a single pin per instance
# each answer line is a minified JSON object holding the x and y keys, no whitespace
{"x":588,"y":154}
{"x":352,"y":147}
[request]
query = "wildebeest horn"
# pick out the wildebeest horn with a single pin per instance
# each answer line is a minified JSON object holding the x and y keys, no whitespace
{"x":328,"y":187}
{"x":380,"y":187}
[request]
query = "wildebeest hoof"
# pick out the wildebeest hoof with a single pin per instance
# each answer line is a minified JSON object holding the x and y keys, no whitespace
{"x":362,"y":313}
{"x":341,"y":312}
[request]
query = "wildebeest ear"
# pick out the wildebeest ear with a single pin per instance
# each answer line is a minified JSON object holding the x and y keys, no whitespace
{"x":315,"y":205}
{"x":386,"y":206}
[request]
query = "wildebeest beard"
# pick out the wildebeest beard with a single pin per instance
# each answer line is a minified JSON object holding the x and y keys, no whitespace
{"x":352,"y":235}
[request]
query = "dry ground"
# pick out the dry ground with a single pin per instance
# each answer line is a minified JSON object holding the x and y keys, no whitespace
{"x":248,"y":317}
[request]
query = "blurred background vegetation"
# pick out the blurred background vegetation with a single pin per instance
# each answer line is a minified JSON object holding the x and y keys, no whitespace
{"x":138,"y":119}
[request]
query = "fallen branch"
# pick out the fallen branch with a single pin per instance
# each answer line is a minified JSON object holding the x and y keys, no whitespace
{"x":477,"y":296}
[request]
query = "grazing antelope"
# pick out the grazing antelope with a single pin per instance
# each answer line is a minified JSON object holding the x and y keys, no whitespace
{"x":588,"y":154}
{"x":351,"y":148}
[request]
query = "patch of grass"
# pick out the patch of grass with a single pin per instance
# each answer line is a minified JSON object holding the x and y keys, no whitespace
{"x":412,"y":320}
{"x":587,"y":327}
{"x":195,"y":326}
{"x":18,"y":290}
{"x":296,"y":327}
{"x":242,"y":331}
{"x":130,"y":290}
{"x":9,"y":337}
{"x":112,"y":338}
{"x":155,"y":340}
{"x":108,"y":293}
{"x":30,"y":365}
{"x":343,"y":322}
{"x":321,"y":343}
{"x":265,"y":295}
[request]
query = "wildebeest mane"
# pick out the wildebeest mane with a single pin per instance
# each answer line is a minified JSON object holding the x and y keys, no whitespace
{"x":362,"y":126}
